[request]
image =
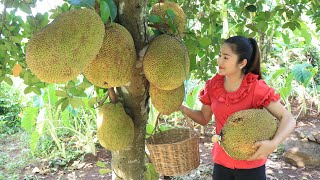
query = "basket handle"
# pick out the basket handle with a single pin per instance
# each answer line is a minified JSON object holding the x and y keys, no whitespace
{"x":156,"y":125}
{"x":187,"y":119}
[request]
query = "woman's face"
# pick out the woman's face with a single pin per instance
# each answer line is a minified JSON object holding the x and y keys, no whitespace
{"x":228,"y":61}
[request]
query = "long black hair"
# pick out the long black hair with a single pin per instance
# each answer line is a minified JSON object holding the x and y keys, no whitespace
{"x":246,"y":48}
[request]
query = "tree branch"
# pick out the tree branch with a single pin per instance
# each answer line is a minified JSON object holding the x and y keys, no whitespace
{"x":4,"y":15}
{"x":112,"y":95}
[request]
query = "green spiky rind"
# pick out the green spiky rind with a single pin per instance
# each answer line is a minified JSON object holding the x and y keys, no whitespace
{"x":116,"y":131}
{"x":166,"y":62}
{"x":167,"y":102}
{"x":113,"y":66}
{"x":60,"y":51}
{"x":244,"y":128}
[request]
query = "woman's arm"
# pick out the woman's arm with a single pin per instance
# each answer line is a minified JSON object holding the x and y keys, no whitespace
{"x":286,"y":126}
{"x":287,"y":122}
{"x":201,"y":117}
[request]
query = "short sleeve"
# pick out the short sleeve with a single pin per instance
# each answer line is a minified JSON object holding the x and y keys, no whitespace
{"x":204,"y":94}
{"x":263,"y":95}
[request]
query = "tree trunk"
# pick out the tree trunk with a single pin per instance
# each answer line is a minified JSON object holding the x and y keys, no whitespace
{"x":130,"y":163}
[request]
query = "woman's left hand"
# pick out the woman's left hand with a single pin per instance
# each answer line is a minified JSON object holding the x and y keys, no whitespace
{"x":265,"y":148}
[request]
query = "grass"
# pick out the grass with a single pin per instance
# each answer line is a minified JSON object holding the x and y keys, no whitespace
{"x":14,"y":155}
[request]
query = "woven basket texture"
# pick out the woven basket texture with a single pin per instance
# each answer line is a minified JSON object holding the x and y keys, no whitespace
{"x":174,"y":152}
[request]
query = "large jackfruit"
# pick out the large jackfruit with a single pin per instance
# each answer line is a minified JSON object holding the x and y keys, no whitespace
{"x":244,"y":128}
{"x":167,"y":101}
{"x":114,"y":64}
{"x":160,"y":9}
{"x":115,"y":128}
{"x":60,"y":51}
{"x":166,"y":62}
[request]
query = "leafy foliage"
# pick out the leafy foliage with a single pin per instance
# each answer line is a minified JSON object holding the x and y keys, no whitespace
{"x":10,"y":108}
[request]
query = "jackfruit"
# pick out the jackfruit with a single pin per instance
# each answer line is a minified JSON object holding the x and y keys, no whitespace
{"x":113,"y":66}
{"x":160,"y":9}
{"x":60,"y":51}
{"x":115,"y":129}
{"x":243,"y":129}
{"x":166,"y":62}
{"x":166,"y":101}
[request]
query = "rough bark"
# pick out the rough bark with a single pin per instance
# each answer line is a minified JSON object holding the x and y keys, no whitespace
{"x":130,"y":163}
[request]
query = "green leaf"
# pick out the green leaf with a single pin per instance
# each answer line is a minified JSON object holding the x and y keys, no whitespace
{"x":101,"y":164}
{"x":171,"y":14}
{"x":307,"y":36}
{"x":29,"y":118}
{"x":204,"y":41}
{"x":285,"y":92}
{"x":15,"y":39}
{"x":154,"y":19}
{"x":278,"y":73}
{"x":25,"y":8}
{"x":61,"y":93}
{"x":285,"y":25}
{"x":82,"y":3}
{"x":252,"y":27}
{"x":113,"y":9}
{"x":251,"y":8}
{"x":76,"y":102}
{"x":8,"y":81}
{"x":36,"y":90}
{"x":64,"y":104}
{"x":92,"y":101}
{"x":286,"y":39}
{"x":301,"y":73}
{"x":104,"y":11}
{"x":34,"y":141}
{"x":57,"y":104}
{"x":27,"y":90}
{"x":151,"y":173}
{"x":149,"y":129}
{"x":104,"y":171}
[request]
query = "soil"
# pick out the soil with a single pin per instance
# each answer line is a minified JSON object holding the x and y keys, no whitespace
{"x":86,"y":167}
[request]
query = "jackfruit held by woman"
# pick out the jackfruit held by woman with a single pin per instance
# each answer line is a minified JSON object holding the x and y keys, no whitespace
{"x":113,"y":66}
{"x":60,"y":51}
{"x":161,"y":9}
{"x":115,"y":128}
{"x":166,"y":62}
{"x":244,"y":128}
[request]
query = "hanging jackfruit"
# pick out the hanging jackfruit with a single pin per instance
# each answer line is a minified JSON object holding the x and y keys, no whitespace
{"x":115,"y":128}
{"x":243,"y":129}
{"x":160,"y":9}
{"x":60,"y":51}
{"x":113,"y":66}
{"x":166,"y":62}
{"x":167,"y":101}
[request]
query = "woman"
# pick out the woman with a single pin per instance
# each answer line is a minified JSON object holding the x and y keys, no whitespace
{"x":239,"y":86}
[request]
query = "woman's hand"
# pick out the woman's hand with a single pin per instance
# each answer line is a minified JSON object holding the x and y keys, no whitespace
{"x":265,"y":148}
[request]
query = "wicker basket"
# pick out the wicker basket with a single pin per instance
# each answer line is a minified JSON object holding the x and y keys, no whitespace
{"x":175,"y":151}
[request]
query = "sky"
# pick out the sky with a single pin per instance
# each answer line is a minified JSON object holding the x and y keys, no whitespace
{"x":42,"y":6}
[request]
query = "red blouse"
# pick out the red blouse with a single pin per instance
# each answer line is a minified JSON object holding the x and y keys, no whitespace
{"x":252,"y":93}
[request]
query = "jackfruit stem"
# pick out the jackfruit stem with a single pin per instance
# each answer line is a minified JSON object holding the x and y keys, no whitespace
{"x":112,"y":95}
